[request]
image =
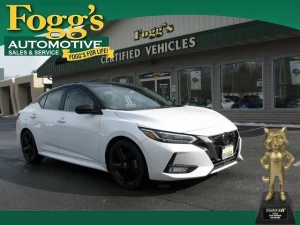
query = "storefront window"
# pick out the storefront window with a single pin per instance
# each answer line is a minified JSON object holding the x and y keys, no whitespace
{"x":286,"y":74}
{"x":124,"y":79}
{"x":195,"y":87}
{"x":242,"y":86}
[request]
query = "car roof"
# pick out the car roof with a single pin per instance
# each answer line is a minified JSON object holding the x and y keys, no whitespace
{"x":83,"y":84}
{"x":95,"y":84}
{"x":89,"y":84}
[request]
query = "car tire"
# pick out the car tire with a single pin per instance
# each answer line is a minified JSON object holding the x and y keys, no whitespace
{"x":29,"y":148}
{"x":127,"y":165}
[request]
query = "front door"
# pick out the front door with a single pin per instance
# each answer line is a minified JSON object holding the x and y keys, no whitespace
{"x":79,"y":132}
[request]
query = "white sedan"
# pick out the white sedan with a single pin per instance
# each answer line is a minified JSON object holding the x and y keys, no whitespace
{"x":128,"y":131}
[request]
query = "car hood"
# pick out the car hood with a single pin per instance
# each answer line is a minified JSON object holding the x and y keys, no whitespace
{"x":179,"y":119}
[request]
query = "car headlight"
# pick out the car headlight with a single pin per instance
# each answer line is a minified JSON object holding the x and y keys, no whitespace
{"x":168,"y":137}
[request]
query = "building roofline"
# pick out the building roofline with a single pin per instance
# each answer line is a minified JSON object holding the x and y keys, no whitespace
{"x":266,"y":31}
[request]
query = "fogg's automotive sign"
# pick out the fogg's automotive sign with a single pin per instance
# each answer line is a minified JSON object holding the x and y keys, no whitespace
{"x":56,"y":40}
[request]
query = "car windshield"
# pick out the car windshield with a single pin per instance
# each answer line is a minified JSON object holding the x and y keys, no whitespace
{"x":128,"y":97}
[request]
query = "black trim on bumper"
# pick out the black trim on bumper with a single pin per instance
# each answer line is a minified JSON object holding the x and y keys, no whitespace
{"x":170,"y":164}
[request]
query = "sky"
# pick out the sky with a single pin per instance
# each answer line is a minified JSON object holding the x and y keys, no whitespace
{"x":19,"y":65}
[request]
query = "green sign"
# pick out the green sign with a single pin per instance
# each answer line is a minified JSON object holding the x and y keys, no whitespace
{"x":41,"y":46}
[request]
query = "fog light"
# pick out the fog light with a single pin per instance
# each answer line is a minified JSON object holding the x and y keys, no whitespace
{"x":178,"y":169}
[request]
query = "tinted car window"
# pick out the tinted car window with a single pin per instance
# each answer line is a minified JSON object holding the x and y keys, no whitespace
{"x":53,"y":100}
{"x":76,"y":97}
{"x":42,"y":102}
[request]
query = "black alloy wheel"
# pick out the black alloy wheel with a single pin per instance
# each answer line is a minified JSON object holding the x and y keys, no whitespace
{"x":127,"y":165}
{"x":29,"y":148}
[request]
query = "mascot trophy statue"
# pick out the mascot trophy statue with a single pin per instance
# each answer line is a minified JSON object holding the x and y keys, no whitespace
{"x":276,"y":155}
{"x":276,"y":209}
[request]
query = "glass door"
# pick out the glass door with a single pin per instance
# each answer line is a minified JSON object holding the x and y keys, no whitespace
{"x":163,"y":88}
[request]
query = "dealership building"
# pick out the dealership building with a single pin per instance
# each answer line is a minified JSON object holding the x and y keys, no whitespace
{"x":16,"y":93}
{"x":247,"y":70}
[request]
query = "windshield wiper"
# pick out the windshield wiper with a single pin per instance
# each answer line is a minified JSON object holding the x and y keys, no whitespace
{"x":164,"y":106}
{"x":169,"y":106}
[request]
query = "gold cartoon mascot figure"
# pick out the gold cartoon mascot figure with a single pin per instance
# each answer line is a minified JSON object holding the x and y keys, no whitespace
{"x":274,"y":160}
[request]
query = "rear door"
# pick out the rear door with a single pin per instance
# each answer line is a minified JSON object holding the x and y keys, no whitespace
{"x":79,"y":132}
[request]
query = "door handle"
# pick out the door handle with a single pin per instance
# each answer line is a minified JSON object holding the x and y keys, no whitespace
{"x":33,"y":116}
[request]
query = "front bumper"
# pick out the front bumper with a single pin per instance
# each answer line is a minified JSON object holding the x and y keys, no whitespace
{"x":203,"y":159}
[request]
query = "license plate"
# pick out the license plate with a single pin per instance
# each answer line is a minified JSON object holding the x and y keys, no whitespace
{"x":227,"y":151}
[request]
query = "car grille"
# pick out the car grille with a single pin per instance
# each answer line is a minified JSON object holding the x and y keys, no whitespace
{"x":218,"y":143}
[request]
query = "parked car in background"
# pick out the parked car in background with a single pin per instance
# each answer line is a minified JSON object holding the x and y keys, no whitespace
{"x":289,"y":102}
{"x":252,"y":96}
{"x":129,"y":131}
{"x":293,"y":103}
{"x":280,"y":102}
{"x":248,"y":103}
{"x":257,"y":99}
{"x":233,"y":98}
{"x":225,"y":104}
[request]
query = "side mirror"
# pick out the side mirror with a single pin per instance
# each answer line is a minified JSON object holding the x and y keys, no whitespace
{"x":87,"y":109}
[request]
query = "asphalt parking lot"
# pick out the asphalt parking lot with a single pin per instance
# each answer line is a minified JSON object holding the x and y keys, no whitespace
{"x":55,"y":185}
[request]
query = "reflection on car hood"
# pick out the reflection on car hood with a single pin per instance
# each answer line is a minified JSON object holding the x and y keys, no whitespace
{"x":178,"y":119}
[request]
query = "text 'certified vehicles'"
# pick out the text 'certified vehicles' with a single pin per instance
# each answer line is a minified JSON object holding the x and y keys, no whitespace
{"x":129,"y":131}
